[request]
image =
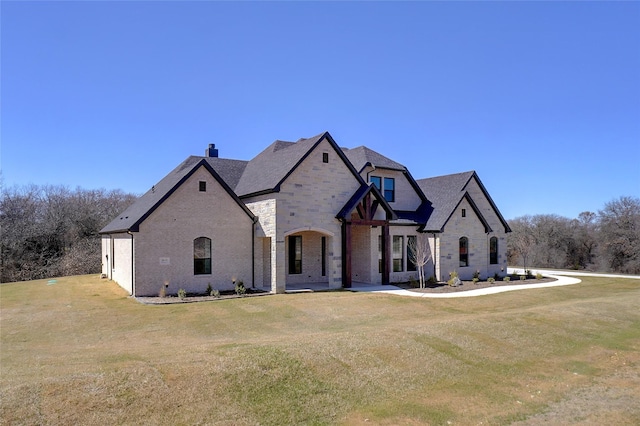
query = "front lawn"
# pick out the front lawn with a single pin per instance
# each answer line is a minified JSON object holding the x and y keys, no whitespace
{"x":79,"y":351}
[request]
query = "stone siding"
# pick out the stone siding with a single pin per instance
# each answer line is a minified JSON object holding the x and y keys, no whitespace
{"x":308,"y":201}
{"x":406,"y":197}
{"x":119,"y":268}
{"x":266,"y":270}
{"x":472,"y":228}
{"x":164,"y":245}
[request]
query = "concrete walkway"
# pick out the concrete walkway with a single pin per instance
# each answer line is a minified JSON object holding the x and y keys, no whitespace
{"x":560,"y":276}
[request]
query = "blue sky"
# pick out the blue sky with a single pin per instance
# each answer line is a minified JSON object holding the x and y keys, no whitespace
{"x":542,"y":99}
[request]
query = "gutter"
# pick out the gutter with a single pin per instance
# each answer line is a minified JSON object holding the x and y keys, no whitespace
{"x":253,"y":252}
{"x":133,"y":282}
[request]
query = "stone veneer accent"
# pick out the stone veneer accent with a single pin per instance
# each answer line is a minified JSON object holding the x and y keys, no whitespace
{"x":471,"y":227}
{"x":307,"y":203}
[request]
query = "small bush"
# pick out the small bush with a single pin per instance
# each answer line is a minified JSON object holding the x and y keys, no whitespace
{"x":413,"y":282}
{"x":491,"y":280}
{"x":538,"y":276}
{"x":476,"y":274}
{"x":209,"y":289}
{"x":523,"y":277}
{"x":475,"y":280}
{"x":506,"y":279}
{"x":182,"y":293}
{"x":240,"y":288}
{"x":215,"y":293}
{"x":432,"y":280}
{"x":496,"y":277}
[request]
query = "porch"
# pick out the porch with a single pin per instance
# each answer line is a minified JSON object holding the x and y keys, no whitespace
{"x":323,"y":286}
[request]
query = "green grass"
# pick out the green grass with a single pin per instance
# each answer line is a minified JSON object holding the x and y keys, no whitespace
{"x":81,"y":352}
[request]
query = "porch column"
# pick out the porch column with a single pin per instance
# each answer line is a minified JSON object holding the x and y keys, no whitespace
{"x":386,"y":254}
{"x":346,"y":254}
{"x":278,"y":277}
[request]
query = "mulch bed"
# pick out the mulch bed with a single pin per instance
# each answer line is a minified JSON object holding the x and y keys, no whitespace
{"x":191,"y":298}
{"x":470,"y":285}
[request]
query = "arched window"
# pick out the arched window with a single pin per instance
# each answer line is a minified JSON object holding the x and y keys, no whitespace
{"x":201,"y":256}
{"x":464,"y":251}
{"x":493,"y":251}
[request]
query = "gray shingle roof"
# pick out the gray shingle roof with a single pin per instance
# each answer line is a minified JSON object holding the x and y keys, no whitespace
{"x":269,"y":168}
{"x":361,"y":156}
{"x":223,"y":170}
{"x":229,"y":170}
{"x":266,"y":171}
{"x":444,"y":192}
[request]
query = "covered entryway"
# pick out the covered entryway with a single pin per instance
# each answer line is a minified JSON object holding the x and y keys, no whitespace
{"x":358,"y":216}
{"x":307,"y":258}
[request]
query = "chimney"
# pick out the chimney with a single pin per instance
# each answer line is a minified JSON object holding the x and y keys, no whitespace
{"x":211,"y":151}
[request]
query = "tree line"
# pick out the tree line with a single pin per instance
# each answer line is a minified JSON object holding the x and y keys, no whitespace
{"x":49,"y":231}
{"x":606,"y":241}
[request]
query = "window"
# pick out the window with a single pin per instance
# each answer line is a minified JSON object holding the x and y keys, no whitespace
{"x":379,"y":254}
{"x":398,"y":247}
{"x":377,"y":182}
{"x":203,"y":186}
{"x":464,"y":251}
{"x":464,"y":212}
{"x":388,"y":190}
{"x":325,"y":157}
{"x":411,"y":247}
{"x":493,"y":251}
{"x":323,"y":247}
{"x":201,"y":256}
{"x":295,"y":254}
{"x":113,"y":254}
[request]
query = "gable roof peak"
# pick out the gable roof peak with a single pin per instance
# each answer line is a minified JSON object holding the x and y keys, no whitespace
{"x":363,"y":156}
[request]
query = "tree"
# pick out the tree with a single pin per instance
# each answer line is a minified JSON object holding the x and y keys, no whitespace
{"x":419,"y":252}
{"x":48,"y":231}
{"x":522,"y":241}
{"x":620,"y":234}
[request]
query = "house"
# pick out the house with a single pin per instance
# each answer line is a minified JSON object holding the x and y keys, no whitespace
{"x":301,"y":212}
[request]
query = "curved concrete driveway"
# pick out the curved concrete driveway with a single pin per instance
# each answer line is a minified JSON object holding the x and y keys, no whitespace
{"x":560,"y":276}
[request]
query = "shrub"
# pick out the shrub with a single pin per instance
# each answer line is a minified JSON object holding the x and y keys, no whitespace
{"x":476,"y":274}
{"x":240,"y":289}
{"x":432,"y":280}
{"x":491,"y":280}
{"x":214,"y":293}
{"x":475,"y":280}
{"x":182,"y":293}
{"x":523,"y":277}
{"x":413,"y":282}
{"x":506,"y":279}
{"x":496,"y":276}
{"x":209,"y":289}
{"x":538,"y":276}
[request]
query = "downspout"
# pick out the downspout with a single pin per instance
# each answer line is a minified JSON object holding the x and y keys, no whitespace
{"x":370,"y":171}
{"x":133,"y":281}
{"x":488,"y":258}
{"x":436,"y":257}
{"x":253,"y":252}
